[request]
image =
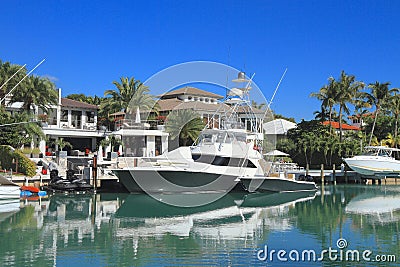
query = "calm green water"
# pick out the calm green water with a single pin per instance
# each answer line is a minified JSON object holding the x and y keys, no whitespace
{"x":136,"y":230}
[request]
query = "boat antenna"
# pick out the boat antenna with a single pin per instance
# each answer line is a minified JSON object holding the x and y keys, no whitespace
{"x":12,"y":76}
{"x":276,"y":89}
{"x":1,"y":101}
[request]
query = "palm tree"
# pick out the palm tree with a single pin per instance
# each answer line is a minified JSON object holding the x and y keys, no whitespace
{"x":348,"y":90}
{"x":129,"y":90}
{"x":37,"y":91}
{"x":143,"y":100}
{"x":185,"y":125}
{"x":380,"y":93}
{"x":7,"y":70}
{"x":394,"y":107}
{"x":391,"y":140}
{"x":61,"y":143}
{"x":328,"y":95}
{"x":255,"y":105}
{"x":94,"y":100}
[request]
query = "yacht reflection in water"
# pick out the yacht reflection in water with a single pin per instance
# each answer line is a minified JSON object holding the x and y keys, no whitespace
{"x":233,"y":216}
{"x":381,"y":206}
{"x":136,"y":229}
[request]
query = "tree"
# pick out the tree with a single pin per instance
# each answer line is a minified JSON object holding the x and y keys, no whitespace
{"x":255,"y":105}
{"x":391,"y":140}
{"x":7,"y":70}
{"x":143,"y":100}
{"x":328,"y":94}
{"x":379,"y":95}
{"x":36,"y":91}
{"x":18,"y":129}
{"x":185,"y":125}
{"x":128,"y":90}
{"x":394,"y":106}
{"x":94,"y":100}
{"x":348,"y":90}
{"x":61,"y":143}
{"x":279,"y":116}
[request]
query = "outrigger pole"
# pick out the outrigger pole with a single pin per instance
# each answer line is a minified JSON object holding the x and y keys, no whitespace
{"x":12,"y":76}
{"x":276,"y":89}
{"x":1,"y":101}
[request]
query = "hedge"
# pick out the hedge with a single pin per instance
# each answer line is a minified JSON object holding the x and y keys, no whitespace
{"x":25,"y":165}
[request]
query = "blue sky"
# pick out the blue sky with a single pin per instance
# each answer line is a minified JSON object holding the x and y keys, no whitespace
{"x":89,"y":44}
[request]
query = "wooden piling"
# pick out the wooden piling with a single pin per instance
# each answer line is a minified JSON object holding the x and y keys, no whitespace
{"x":94,"y":173}
{"x":322,"y":174}
{"x":334,"y":174}
{"x":307,"y":169}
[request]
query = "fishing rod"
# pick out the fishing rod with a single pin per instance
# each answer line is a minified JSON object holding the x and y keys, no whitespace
{"x":12,"y":76}
{"x":276,"y":89}
{"x":1,"y":101}
{"x":17,"y":123}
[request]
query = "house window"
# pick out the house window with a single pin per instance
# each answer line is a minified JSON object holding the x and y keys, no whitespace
{"x":64,"y":115}
{"x":90,"y":116}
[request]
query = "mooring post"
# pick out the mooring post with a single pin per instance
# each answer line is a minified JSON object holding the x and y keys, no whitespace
{"x":334,"y":174}
{"x":94,"y":173}
{"x":307,"y":169}
{"x":322,"y":174}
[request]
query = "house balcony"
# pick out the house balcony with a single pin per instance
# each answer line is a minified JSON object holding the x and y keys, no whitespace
{"x":70,"y":125}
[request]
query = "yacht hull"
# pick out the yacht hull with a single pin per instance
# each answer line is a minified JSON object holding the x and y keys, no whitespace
{"x":275,"y":184}
{"x":174,"y":181}
{"x":380,"y":166}
{"x":9,"y":191}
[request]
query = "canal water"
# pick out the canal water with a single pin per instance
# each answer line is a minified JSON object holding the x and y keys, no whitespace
{"x":337,"y":226}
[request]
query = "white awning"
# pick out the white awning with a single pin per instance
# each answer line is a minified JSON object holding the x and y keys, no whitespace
{"x":276,"y":153}
{"x":278,"y":126}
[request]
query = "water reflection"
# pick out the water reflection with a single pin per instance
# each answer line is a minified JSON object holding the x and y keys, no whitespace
{"x":131,"y":230}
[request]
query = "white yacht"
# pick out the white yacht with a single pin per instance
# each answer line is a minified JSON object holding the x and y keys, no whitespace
{"x":214,"y":163}
{"x":8,"y":189}
{"x":376,"y":160}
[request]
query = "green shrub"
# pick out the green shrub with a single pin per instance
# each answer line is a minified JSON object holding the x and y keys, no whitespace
{"x":6,"y":157}
{"x":25,"y":165}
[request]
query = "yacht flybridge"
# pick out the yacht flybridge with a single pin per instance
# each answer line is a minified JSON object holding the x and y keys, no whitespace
{"x":376,"y":160}
{"x":213,"y":163}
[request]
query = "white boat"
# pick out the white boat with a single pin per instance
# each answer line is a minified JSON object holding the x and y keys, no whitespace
{"x":214,"y":163}
{"x":8,"y":189}
{"x":376,"y":160}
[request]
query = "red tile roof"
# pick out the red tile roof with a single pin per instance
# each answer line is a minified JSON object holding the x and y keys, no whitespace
{"x":335,"y":125}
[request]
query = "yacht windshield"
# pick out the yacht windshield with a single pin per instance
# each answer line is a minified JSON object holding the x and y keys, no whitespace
{"x":206,"y":138}
{"x":378,"y":152}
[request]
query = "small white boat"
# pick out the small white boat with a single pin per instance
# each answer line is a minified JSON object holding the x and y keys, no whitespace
{"x":275,"y":184}
{"x":376,"y":160}
{"x":8,"y":189}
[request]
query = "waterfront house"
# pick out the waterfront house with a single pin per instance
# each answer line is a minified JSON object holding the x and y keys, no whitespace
{"x":76,"y":122}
